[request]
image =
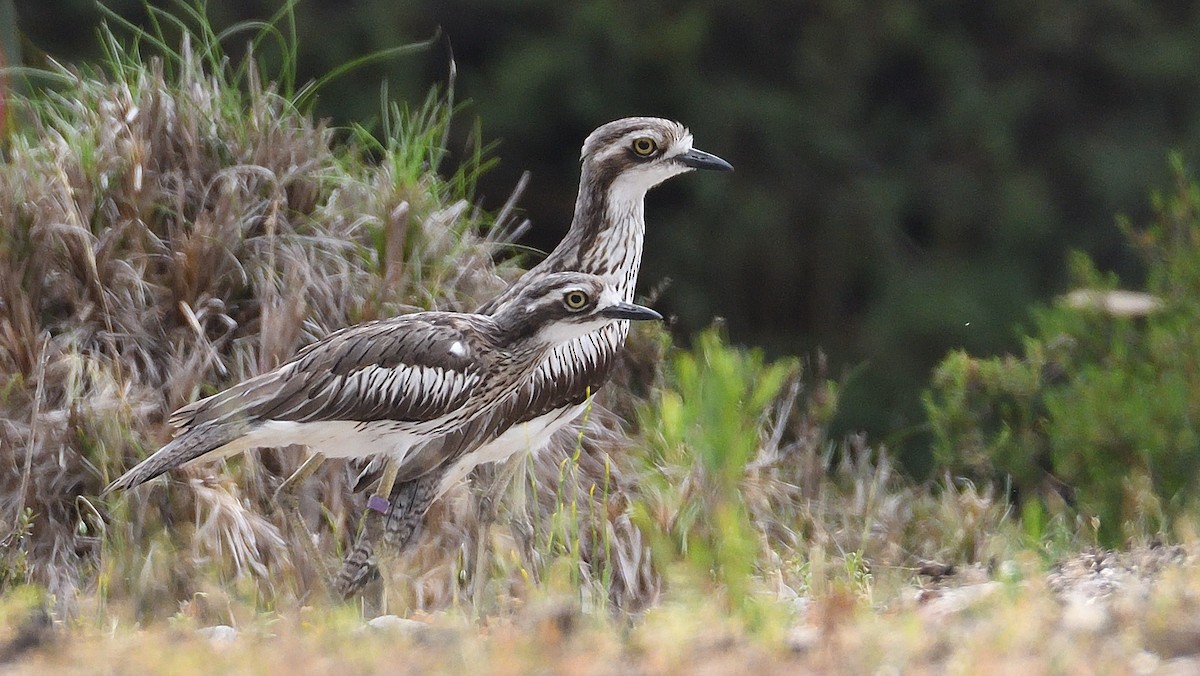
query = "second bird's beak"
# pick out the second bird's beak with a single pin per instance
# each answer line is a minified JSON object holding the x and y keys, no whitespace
{"x":698,"y":159}
{"x":629,"y":311}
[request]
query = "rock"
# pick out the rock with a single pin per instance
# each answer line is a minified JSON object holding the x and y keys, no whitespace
{"x":935,"y":570}
{"x":1084,"y":615}
{"x":1179,"y":666}
{"x":803,"y":638}
{"x":218,"y":633}
{"x":1144,"y":663}
{"x":947,"y":602}
{"x":397,"y":624}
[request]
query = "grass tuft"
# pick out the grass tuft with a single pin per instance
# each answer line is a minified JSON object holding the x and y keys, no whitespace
{"x":174,"y":222}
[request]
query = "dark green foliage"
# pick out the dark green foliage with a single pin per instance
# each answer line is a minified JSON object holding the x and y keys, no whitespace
{"x":1102,"y":408}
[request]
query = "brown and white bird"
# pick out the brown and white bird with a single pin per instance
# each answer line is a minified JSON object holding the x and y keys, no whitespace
{"x":386,"y":386}
{"x":620,"y":162}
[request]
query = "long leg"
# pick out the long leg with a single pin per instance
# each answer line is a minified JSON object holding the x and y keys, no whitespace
{"x":288,"y":501}
{"x":286,"y":493}
{"x":409,"y":502}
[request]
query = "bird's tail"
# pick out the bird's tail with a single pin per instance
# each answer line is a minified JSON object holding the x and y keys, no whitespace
{"x":189,"y":445}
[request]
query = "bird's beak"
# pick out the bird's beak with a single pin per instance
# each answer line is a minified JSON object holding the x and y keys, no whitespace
{"x":698,"y":159}
{"x":629,"y":311}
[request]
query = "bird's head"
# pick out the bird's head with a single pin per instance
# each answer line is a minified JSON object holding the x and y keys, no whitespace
{"x":634,"y":154}
{"x":562,"y":306}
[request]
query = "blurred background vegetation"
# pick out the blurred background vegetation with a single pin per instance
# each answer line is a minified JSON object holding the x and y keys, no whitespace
{"x":910,"y":175}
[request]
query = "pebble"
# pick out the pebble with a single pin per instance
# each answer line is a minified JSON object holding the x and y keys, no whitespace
{"x":218,"y":633}
{"x":1084,"y":615}
{"x":397,"y":624}
{"x":803,"y":638}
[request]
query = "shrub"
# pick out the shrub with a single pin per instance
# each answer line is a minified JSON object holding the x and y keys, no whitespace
{"x":1102,"y":408}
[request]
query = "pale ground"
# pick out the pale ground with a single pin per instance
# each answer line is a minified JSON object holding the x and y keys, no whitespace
{"x":1098,"y":612}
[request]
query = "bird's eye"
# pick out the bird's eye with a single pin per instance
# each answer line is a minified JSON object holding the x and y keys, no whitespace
{"x":575,"y":300}
{"x":644,"y":146}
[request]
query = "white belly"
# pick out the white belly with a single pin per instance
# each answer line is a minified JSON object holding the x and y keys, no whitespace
{"x":528,"y":436}
{"x":333,"y":439}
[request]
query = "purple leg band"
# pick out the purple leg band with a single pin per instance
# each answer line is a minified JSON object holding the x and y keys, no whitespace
{"x":378,"y":503}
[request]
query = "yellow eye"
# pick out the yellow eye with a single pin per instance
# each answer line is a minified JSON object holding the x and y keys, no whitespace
{"x":575,"y":300}
{"x":644,"y":146}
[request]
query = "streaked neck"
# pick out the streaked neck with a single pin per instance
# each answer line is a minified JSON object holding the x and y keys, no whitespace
{"x":606,"y":234}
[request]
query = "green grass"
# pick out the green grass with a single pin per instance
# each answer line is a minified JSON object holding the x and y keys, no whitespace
{"x":174,"y":221}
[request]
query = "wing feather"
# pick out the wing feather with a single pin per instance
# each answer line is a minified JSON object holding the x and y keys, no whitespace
{"x":567,"y":376}
{"x":400,"y":369}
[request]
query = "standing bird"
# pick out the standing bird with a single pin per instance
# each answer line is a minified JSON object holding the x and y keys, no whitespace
{"x":386,"y":386}
{"x":620,"y":162}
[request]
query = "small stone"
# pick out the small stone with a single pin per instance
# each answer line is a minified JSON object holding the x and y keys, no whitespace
{"x":1083,"y":615}
{"x":956,"y":600}
{"x":1145,"y":662}
{"x":935,"y":569}
{"x":397,"y":624}
{"x":218,"y":633}
{"x":803,"y":638}
{"x":1178,"y":666}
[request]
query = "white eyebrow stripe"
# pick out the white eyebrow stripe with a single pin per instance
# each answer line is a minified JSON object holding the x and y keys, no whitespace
{"x":678,"y":147}
{"x":681,"y":146}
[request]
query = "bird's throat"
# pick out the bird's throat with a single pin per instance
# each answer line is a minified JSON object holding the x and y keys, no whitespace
{"x":606,"y":236}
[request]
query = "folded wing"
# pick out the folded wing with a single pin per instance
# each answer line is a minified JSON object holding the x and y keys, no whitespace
{"x":408,"y":370}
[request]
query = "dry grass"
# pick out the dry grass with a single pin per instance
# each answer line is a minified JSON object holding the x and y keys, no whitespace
{"x":165,"y":235}
{"x":176,"y":226}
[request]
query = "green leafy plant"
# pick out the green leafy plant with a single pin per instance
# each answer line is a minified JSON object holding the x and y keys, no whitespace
{"x":704,"y":427}
{"x":1100,"y":412}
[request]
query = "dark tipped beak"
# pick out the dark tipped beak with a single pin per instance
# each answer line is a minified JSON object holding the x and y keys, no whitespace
{"x":629,"y":311}
{"x":698,"y":159}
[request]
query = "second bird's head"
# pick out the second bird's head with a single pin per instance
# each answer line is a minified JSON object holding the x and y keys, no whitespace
{"x":631,"y":155}
{"x":562,"y":306}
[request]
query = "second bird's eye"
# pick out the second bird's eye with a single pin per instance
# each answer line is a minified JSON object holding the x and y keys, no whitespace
{"x":575,"y":300}
{"x":644,"y":146}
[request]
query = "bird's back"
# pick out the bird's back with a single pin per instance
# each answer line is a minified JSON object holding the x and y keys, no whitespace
{"x":406,"y":369}
{"x":565,"y":377}
{"x":400,"y":375}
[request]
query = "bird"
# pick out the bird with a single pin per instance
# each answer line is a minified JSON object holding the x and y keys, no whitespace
{"x":386,"y":385}
{"x":619,"y":163}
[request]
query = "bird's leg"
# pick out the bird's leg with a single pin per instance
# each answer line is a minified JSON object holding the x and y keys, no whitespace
{"x":409,"y":502}
{"x":287,"y":498}
{"x":359,"y":567}
{"x":487,"y":516}
{"x":497,"y":479}
{"x":380,"y":501}
{"x":409,"y":505}
{"x":286,"y":493}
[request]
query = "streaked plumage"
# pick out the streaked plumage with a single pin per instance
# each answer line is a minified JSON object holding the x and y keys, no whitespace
{"x":605,"y":239}
{"x":386,"y":386}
